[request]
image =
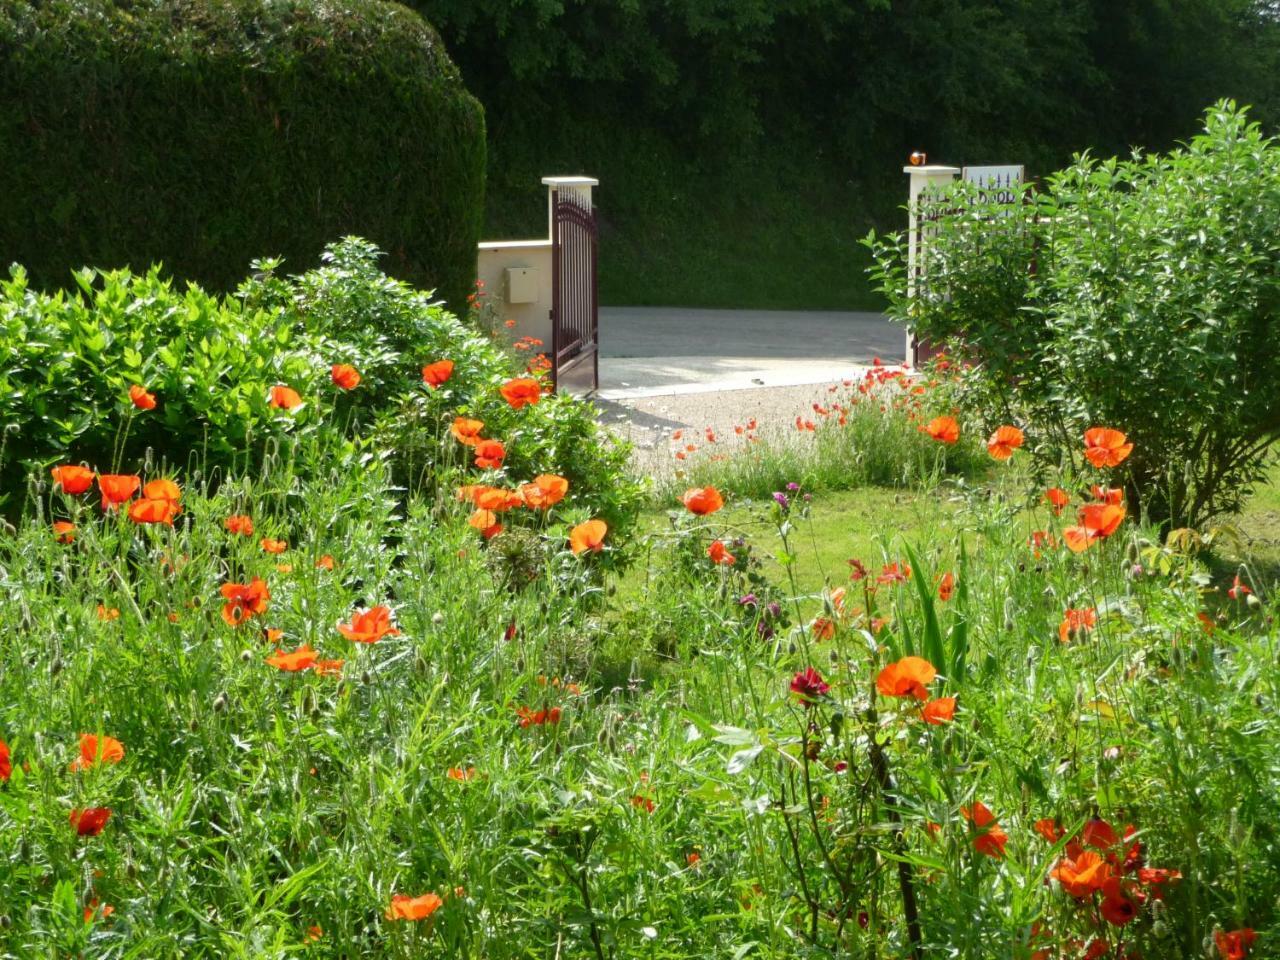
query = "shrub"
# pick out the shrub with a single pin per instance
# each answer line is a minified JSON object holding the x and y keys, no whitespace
{"x":69,"y":361}
{"x":192,"y":132}
{"x":1137,"y":294}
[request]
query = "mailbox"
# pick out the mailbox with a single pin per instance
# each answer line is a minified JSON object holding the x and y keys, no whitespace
{"x":522,"y":285}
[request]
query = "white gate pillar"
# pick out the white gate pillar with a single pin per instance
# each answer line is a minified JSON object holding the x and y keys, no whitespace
{"x":922,"y":178}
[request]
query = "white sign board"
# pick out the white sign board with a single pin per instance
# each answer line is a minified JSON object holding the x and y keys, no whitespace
{"x":1006,"y":180}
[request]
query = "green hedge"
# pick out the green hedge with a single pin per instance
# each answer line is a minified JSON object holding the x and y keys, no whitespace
{"x":201,"y":132}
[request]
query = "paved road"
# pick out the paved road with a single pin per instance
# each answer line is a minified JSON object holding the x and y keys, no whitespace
{"x":652,"y":351}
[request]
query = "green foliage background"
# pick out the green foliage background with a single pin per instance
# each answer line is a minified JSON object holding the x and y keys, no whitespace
{"x":201,"y":133}
{"x":744,"y":146}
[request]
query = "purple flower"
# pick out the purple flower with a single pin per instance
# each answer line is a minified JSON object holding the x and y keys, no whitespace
{"x":781,"y":499}
{"x":748,"y":600}
{"x":773,"y":611}
{"x":808,"y":685}
{"x":793,"y":486}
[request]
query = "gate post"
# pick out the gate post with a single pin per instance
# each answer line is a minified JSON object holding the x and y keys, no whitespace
{"x":575,"y":309}
{"x":921,"y":179}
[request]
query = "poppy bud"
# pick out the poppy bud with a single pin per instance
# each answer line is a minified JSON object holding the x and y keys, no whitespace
{"x":835,"y":657}
{"x":520,"y":665}
{"x":55,"y":667}
{"x":837,"y":721}
{"x":791,"y":648}
{"x":1252,"y":600}
{"x":220,"y":703}
{"x":366,"y":677}
{"x":308,"y":701}
{"x":246,"y":656}
{"x":181,"y":842}
{"x":437,"y":618}
{"x":1022,"y":567}
{"x":194,"y":725}
{"x":130,"y":869}
{"x":1160,"y":929}
{"x":5,"y":922}
{"x":316,"y":714}
{"x":420,"y":665}
{"x":148,"y":460}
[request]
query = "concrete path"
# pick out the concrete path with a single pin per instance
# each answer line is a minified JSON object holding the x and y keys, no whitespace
{"x":655,"y":351}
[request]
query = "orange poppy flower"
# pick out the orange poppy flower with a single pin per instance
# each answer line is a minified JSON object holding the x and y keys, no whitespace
{"x":486,"y":521}
{"x":90,"y":821}
{"x":328,"y":668}
{"x":1076,"y":622}
{"x":108,"y":614}
{"x":1107,"y":494}
{"x":1234,"y":945}
{"x":588,"y":536}
{"x":946,"y":586}
{"x":435,"y":374}
{"x":940,"y":711}
{"x":907,"y":677}
{"x":1083,"y":876}
{"x":344,"y":376}
{"x":943,"y":429}
{"x":495,"y":498}
{"x":531,"y":718}
{"x":94,"y":749}
{"x":894,"y":573}
{"x":822,"y":628}
{"x":990,"y":839}
{"x":326,"y":562}
{"x":162,"y":489}
{"x":273,"y":546}
{"x":521,"y":392}
{"x":1048,"y":828}
{"x":117,"y":488}
{"x":1096,"y":522}
{"x":720,"y":555}
{"x":304,"y":658}
{"x":462,"y":773}
{"x":466,"y":430}
{"x":149,"y":510}
{"x":490,"y":454}
{"x":1105,"y":447}
{"x":72,"y":479}
{"x":413,"y":908}
{"x":239,"y":523}
{"x":1003,"y":442}
{"x":1057,"y":498}
{"x":546,"y":491}
{"x":141,"y":399}
{"x":369,"y":626}
{"x":244,"y":600}
{"x":702,"y":500}
{"x":64,"y":531}
{"x":6,"y":762}
{"x":284,"y":398}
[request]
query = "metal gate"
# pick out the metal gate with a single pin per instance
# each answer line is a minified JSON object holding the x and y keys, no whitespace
{"x":575,"y":314}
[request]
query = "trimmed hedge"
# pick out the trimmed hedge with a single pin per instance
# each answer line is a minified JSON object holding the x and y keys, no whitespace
{"x":200,"y":132}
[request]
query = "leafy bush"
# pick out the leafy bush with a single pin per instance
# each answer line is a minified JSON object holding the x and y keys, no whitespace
{"x":68,"y":363}
{"x":191,"y":132}
{"x":1137,"y":294}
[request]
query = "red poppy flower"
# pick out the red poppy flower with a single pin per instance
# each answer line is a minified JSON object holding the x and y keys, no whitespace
{"x":490,"y":454}
{"x":1238,"y":589}
{"x":940,"y":711}
{"x":486,"y":521}
{"x":304,"y":658}
{"x":72,"y":478}
{"x":1057,"y":498}
{"x":435,"y":374}
{"x":1106,"y":447}
{"x":6,"y":761}
{"x":284,"y":398}
{"x":943,"y":429}
{"x":117,"y":488}
{"x":588,"y":536}
{"x":644,"y":803}
{"x":1096,"y":522}
{"x":720,"y":555}
{"x":1099,"y":834}
{"x":1049,"y":829}
{"x":907,"y":677}
{"x":946,"y":586}
{"x":369,"y":626}
{"x":894,"y":573}
{"x":990,"y":839}
{"x":344,"y":376}
{"x":413,"y":908}
{"x":531,"y":718}
{"x":94,"y":749}
{"x":521,"y":392}
{"x":702,"y":500}
{"x":1234,"y":945}
{"x":64,"y":531}
{"x":461,"y":774}
{"x":1003,"y":442}
{"x":545,"y":492}
{"x":1116,"y":908}
{"x":244,"y":600}
{"x":89,"y":822}
{"x":466,"y":430}
{"x":1075,"y":622}
{"x":1157,"y":877}
{"x":1113,"y":495}
{"x":141,"y":399}
{"x":239,"y":523}
{"x":148,"y":510}
{"x":1082,"y":876}
{"x":273,"y":547}
{"x":97,"y":909}
{"x":808,"y":685}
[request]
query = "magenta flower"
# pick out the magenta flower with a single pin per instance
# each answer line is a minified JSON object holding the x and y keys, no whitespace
{"x":809,"y":685}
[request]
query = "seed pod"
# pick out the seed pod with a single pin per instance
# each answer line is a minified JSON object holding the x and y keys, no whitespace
{"x":437,"y":618}
{"x":220,"y":703}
